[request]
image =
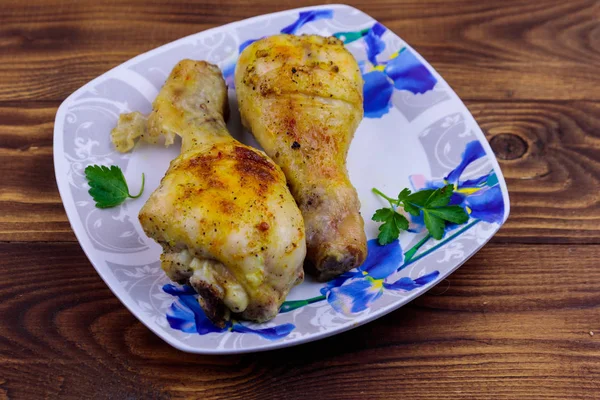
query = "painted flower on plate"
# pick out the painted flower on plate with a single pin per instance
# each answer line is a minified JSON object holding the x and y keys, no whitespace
{"x":356,"y":290}
{"x":402,"y":71}
{"x":186,"y":315}
{"x":481,"y":197}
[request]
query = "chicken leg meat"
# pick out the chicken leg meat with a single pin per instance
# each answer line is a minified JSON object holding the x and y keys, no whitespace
{"x":301,"y":96}
{"x":223,"y":214}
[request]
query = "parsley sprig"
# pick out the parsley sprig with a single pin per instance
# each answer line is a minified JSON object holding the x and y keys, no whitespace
{"x":433,"y":203}
{"x":108,"y":187}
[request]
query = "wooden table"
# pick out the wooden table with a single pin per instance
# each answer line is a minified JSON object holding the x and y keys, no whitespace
{"x":517,"y":321}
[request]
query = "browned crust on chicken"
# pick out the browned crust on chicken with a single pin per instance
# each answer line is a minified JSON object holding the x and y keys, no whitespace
{"x":301,"y":96}
{"x":223,"y":214}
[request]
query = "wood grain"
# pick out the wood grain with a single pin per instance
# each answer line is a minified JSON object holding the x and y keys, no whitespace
{"x":519,"y":328}
{"x":552,"y":178}
{"x":29,"y":200}
{"x":514,"y":322}
{"x":555,"y":172}
{"x":486,"y":50}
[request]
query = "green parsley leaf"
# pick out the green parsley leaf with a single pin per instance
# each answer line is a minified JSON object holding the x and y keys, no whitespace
{"x":401,"y":222}
{"x":411,"y":209}
{"x":440,"y":197}
{"x":433,"y":203}
{"x":434,"y":224}
{"x":420,"y":198}
{"x":403,"y":195}
{"x":455,"y":214}
{"x":388,"y":232}
{"x":108,"y":187}
{"x":383,"y":214}
{"x":393,"y":223}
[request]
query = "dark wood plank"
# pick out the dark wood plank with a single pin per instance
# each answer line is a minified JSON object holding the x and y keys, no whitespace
{"x":29,"y":199}
{"x":549,"y":153}
{"x":54,"y":48}
{"x":550,"y":156}
{"x":542,"y":50}
{"x":514,"y":322}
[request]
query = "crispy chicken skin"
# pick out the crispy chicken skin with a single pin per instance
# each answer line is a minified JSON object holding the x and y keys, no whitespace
{"x":301,"y":97}
{"x":223,"y":214}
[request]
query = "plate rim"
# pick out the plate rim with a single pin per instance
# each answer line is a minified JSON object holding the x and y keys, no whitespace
{"x":63,"y":189}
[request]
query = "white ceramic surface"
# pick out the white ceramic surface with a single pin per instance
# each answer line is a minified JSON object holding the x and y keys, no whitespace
{"x":416,"y":133}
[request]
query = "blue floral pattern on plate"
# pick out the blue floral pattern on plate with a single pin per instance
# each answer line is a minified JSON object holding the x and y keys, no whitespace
{"x":410,"y":145}
{"x":355,"y":291}
{"x":403,"y":71}
{"x":185,"y":314}
{"x":481,"y":197}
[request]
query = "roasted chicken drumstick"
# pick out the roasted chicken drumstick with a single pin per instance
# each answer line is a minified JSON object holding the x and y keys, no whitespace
{"x":301,"y":96}
{"x":223,"y":214}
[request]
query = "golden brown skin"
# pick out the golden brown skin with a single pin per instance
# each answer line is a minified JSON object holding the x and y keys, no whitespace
{"x":223,"y":214}
{"x":301,"y":96}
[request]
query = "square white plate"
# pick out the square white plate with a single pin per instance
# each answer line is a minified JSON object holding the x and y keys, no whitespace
{"x":416,"y":133}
